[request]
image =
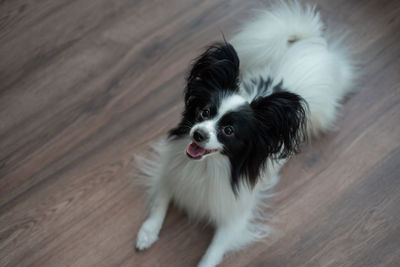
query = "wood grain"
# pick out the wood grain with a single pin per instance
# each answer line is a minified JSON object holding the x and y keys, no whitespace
{"x":84,"y":85}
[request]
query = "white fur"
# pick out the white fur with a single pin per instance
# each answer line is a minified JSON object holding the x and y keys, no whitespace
{"x":230,"y":103}
{"x":309,"y":67}
{"x":264,"y":40}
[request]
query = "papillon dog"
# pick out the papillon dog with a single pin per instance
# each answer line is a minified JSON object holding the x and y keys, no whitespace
{"x":249,"y":104}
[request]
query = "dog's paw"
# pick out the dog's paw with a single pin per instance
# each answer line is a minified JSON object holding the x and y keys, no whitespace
{"x":146,"y":237}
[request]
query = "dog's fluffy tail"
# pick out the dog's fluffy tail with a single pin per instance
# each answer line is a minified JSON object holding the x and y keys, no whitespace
{"x":267,"y":37}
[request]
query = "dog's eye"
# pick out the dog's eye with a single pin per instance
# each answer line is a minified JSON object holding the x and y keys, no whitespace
{"x":228,"y":130}
{"x":205,"y":114}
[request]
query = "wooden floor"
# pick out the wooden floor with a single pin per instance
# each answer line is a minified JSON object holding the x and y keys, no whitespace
{"x":84,"y":85}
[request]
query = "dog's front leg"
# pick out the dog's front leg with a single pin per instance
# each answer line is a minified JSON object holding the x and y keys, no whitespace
{"x":231,"y":236}
{"x":148,"y":233}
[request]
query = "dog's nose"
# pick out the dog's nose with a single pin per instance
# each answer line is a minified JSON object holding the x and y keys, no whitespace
{"x":200,"y":135}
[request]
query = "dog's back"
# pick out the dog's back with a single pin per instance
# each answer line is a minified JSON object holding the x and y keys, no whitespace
{"x":287,"y":44}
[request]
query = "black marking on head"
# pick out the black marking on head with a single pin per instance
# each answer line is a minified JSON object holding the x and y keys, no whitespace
{"x":270,"y":127}
{"x":213,"y":74}
{"x":263,"y":85}
{"x":192,"y":113}
{"x":259,"y":84}
{"x":238,"y":147}
{"x":278,"y":88}
{"x":216,"y":69}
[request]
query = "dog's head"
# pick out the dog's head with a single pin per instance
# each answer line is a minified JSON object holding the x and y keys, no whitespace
{"x":220,"y":120}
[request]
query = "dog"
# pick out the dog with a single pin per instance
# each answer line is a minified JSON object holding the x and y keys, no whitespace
{"x":249,"y":105}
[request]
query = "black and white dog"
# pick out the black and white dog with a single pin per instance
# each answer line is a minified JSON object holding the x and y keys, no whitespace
{"x":249,"y":105}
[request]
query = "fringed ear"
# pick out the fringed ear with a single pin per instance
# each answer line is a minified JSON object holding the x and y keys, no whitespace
{"x":216,"y":69}
{"x":276,"y":128}
{"x":281,"y":118}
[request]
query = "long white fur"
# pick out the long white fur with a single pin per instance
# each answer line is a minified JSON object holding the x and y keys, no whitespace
{"x":286,"y":43}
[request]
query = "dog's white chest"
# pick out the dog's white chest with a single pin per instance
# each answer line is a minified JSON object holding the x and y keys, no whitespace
{"x":202,"y":188}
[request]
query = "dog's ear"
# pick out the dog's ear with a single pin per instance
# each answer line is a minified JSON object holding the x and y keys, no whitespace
{"x":281,"y":119}
{"x":216,"y":69}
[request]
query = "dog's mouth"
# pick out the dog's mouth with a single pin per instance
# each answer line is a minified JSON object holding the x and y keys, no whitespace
{"x":194,"y":151}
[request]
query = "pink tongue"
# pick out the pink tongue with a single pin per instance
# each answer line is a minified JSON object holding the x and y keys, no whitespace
{"x":195,"y":151}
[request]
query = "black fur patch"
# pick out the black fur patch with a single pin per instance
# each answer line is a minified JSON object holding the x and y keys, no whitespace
{"x":281,"y":122}
{"x":216,"y":69}
{"x":270,"y":127}
{"x":213,"y":74}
